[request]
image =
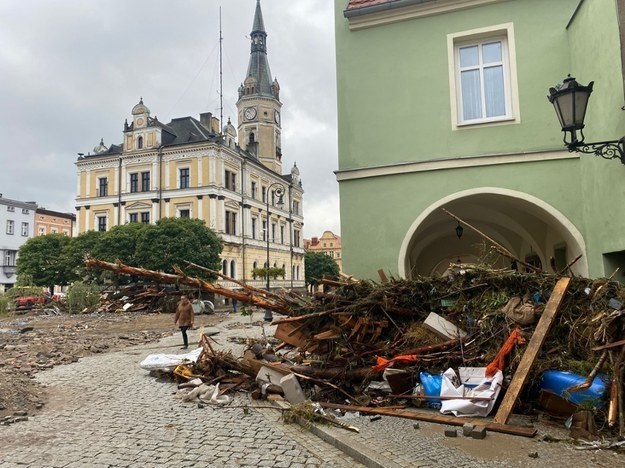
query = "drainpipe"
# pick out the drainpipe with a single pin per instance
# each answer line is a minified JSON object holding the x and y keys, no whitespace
{"x":291,"y":230}
{"x":243,"y":220}
{"x":160,"y":181}
{"x":119,"y":192}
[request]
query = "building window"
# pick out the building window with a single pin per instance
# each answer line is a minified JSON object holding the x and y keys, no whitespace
{"x":41,"y":231}
{"x":295,"y":207}
{"x":185,"y":213}
{"x":233,"y":269}
{"x":254,"y":221}
{"x":224,"y":267}
{"x":103,"y":187}
{"x":140,"y":142}
{"x":101,"y":223}
{"x":133,"y":217}
{"x":145,"y":181}
{"x":134,"y":182}
{"x":264,"y":194}
{"x":25,"y":211}
{"x":10,"y":227}
{"x":145,"y":217}
{"x":9,"y":257}
{"x":230,"y":180}
{"x":296,"y":237}
{"x":10,"y":208}
{"x":282,"y":234}
{"x":231,"y":223}
{"x":264,"y":230}
{"x":273,"y":232}
{"x":184,"y":178}
{"x":24,"y":229}
{"x":254,"y":190}
{"x":483,"y":76}
{"x":53,"y":231}
{"x":65,"y":232}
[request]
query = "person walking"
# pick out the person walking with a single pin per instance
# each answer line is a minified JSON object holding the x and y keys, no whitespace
{"x":184,"y":317}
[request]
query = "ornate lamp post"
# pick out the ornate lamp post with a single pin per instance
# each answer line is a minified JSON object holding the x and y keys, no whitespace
{"x":570,"y":100}
{"x":280,"y":192}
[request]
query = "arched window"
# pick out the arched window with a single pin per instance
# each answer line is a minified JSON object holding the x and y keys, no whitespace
{"x":225,"y":267}
{"x":233,"y":269}
{"x":140,"y":142}
{"x":252,"y":137}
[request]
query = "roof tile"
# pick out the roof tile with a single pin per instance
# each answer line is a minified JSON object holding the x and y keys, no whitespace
{"x":355,"y":4}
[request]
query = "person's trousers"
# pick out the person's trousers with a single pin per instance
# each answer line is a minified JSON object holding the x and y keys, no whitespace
{"x":185,"y":338}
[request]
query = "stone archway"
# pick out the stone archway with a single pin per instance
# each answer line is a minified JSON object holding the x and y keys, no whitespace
{"x":527,"y":226}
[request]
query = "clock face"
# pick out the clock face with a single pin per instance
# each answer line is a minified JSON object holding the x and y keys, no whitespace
{"x":139,"y":121}
{"x":276,"y":117}
{"x":250,"y":113}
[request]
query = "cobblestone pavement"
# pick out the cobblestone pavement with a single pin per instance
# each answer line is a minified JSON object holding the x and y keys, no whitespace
{"x":107,"y":412}
{"x":394,"y":442}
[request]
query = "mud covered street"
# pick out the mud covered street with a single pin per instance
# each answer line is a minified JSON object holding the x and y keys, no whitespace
{"x":30,"y":343}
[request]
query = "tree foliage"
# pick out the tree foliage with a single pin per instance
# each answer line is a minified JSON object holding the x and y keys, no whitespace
{"x":38,"y":259}
{"x":57,"y":259}
{"x":171,"y":241}
{"x":318,"y":265}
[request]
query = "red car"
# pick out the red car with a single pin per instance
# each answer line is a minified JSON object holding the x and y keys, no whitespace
{"x":30,"y":301}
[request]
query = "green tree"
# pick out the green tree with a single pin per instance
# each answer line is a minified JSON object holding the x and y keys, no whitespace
{"x":171,"y":241}
{"x":77,"y":251}
{"x":319,"y":265}
{"x":40,"y":258}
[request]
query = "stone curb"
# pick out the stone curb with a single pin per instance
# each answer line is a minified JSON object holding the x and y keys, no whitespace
{"x":346,"y":444}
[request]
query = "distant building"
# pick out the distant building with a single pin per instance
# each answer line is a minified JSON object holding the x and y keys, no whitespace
{"x":198,"y":168}
{"x":54,"y":222}
{"x":17,"y":220}
{"x":329,"y":244}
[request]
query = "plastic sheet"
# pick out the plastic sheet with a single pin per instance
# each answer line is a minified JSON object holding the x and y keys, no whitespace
{"x":168,"y":362}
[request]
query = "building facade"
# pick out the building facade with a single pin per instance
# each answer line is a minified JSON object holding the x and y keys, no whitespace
{"x":229,"y":177}
{"x":17,"y":220}
{"x":455,"y":117}
{"x":54,"y":222}
{"x":329,"y":244}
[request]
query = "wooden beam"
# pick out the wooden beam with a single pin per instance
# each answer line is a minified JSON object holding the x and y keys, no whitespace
{"x":609,"y":345}
{"x":437,"y":418}
{"x":529,"y":356}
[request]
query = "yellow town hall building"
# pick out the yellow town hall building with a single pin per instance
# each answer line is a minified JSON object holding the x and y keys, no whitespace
{"x":193,"y":168}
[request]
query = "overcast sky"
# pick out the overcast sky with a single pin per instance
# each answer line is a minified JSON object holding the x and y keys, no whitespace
{"x":71,"y":71}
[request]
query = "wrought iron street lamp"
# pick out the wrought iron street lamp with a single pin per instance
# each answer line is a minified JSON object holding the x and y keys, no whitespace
{"x":570,"y":100}
{"x":279,"y":191}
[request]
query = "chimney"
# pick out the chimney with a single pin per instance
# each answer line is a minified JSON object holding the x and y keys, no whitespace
{"x":206,"y":119}
{"x":314,"y":240}
{"x":210,"y":122}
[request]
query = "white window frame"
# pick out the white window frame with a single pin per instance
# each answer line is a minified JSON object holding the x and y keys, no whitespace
{"x":179,"y":177}
{"x":10,"y":227}
{"x":505,"y":33}
{"x":184,"y":206}
{"x":25,"y":229}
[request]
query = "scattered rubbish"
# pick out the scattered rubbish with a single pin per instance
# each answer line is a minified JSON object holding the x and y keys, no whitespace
{"x":339,"y":342}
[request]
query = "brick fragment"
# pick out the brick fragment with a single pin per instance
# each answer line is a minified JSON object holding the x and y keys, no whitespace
{"x":478,"y":432}
{"x":467,"y":429}
{"x":451,"y":433}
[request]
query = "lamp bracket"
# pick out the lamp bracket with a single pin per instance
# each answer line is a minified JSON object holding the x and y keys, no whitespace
{"x":614,"y":149}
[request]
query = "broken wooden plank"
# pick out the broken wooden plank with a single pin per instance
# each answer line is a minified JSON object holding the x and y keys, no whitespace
{"x":529,"y":356}
{"x":610,"y":345}
{"x":438,"y":418}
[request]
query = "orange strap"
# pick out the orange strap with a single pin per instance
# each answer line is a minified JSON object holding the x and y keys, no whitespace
{"x":384,"y":363}
{"x":515,"y":338}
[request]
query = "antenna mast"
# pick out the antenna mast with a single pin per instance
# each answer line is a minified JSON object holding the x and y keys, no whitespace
{"x":221,"y":79}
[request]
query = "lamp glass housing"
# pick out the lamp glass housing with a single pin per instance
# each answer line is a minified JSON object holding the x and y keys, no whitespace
{"x":570,"y":101}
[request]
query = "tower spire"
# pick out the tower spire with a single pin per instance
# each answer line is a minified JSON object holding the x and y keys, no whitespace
{"x":258,"y":67}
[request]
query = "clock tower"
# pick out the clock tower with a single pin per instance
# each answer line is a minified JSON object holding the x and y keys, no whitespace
{"x":259,"y":105}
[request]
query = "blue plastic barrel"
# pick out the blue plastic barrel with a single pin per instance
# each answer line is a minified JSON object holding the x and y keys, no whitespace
{"x":558,"y":381}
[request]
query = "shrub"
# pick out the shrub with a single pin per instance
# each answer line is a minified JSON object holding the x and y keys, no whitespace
{"x":81,"y":296}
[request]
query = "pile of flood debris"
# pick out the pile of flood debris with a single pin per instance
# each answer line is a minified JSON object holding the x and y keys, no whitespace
{"x":473,"y":342}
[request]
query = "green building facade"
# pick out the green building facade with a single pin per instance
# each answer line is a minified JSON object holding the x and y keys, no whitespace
{"x":442,"y":104}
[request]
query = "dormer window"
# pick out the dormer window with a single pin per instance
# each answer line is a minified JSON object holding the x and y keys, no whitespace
{"x":140,"y":142}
